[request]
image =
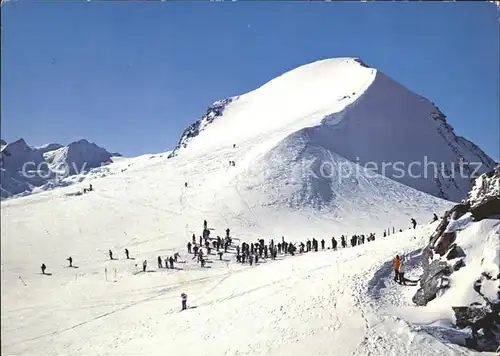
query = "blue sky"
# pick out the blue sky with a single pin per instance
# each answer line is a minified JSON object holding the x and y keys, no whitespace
{"x":131,"y":76}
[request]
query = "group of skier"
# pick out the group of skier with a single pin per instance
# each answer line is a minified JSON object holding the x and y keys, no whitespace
{"x":252,"y":252}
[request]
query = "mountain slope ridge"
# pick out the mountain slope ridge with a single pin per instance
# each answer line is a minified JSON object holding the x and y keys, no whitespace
{"x":356,"y":112}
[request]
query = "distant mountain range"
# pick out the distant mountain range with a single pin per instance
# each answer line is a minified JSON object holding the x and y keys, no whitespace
{"x":24,"y":168}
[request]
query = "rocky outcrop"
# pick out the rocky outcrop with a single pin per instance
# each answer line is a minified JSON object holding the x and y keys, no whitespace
{"x":445,"y":256}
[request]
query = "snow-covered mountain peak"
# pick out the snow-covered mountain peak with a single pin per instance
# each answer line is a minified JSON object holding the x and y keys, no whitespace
{"x":298,"y":98}
{"x":16,"y":154}
{"x":79,"y":156}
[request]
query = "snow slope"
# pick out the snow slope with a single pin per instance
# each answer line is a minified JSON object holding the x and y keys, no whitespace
{"x":341,"y":107}
{"x":315,"y":304}
{"x":306,"y":303}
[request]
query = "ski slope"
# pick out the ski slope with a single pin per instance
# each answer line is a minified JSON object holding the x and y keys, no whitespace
{"x":300,"y":303}
{"x":320,"y":303}
{"x":317,"y":304}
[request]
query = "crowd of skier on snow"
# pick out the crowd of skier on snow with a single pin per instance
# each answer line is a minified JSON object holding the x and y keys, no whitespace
{"x":252,"y":253}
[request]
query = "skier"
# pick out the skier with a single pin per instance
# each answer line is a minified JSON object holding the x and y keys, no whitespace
{"x":144,"y":265}
{"x":160,"y":265}
{"x":396,"y":264}
{"x":70,"y":261}
{"x":185,"y":184}
{"x":90,"y":187}
{"x":402,"y":273}
{"x":110,"y":254}
{"x":227,"y":232}
{"x":435,"y":218}
{"x":334,"y":243}
{"x":184,"y":298}
{"x":126,"y":254}
{"x":171,"y":260}
{"x":323,"y":244}
{"x":194,"y":239}
{"x":43,"y":268}
{"x":234,"y":145}
{"x":413,"y":222}
{"x":189,"y":247}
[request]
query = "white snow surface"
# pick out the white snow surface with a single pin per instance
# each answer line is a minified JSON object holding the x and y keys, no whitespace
{"x":302,"y":304}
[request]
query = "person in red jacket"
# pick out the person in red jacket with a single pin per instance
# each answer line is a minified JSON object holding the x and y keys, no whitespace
{"x":395,"y":263}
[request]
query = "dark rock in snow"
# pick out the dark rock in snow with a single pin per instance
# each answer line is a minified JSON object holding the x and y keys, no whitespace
{"x":485,"y":318}
{"x":488,"y":208}
{"x":459,"y":264}
{"x":455,"y":251}
{"x":447,"y":239}
{"x":433,"y":280}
